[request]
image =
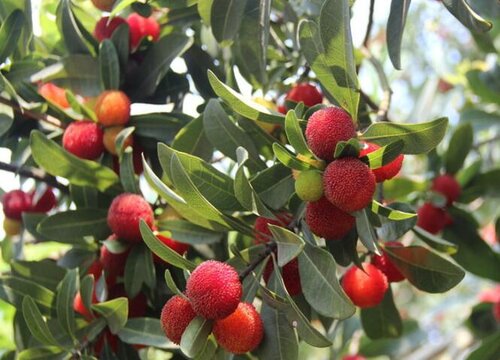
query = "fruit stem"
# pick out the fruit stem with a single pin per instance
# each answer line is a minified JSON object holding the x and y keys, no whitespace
{"x":370,"y":24}
{"x":36,"y":174}
{"x":31,"y":114}
{"x":270,"y":246}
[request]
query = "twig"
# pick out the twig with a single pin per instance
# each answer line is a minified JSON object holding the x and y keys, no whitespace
{"x":31,"y":114}
{"x":368,"y":100}
{"x":486,"y":142}
{"x":270,"y":246}
{"x":370,"y":24}
{"x":36,"y":174}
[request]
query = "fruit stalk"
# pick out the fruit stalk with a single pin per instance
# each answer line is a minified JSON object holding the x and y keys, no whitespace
{"x":270,"y":246}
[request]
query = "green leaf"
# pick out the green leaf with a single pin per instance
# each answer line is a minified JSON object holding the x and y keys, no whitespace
{"x":488,"y":350}
{"x":464,"y":13}
{"x":114,"y":311}
{"x":45,"y":272}
{"x":395,"y":28}
{"x":64,"y":302}
{"x":417,"y":138}
{"x":344,"y":250}
{"x":383,"y":320}
{"x":274,"y":185}
{"x":14,"y":289}
{"x":390,"y":213}
{"x":225,"y":18}
{"x":384,"y":155}
{"x":37,"y":325}
{"x":109,"y":65}
{"x":87,"y":290}
{"x":127,"y":172}
{"x":195,"y":336}
{"x":458,"y":148}
{"x":366,"y":231}
{"x":243,"y":106}
{"x":68,"y":27}
{"x":41,"y":353}
{"x":226,"y":136}
{"x":424,"y":269}
{"x":160,"y":126}
{"x":121,"y":138}
{"x":289,"y":160}
{"x":348,"y":148}
{"x":191,"y":139}
{"x":5,"y":123}
{"x":435,"y":242}
{"x":145,"y":331}
{"x":139,"y":270}
{"x":295,"y":135}
{"x":320,"y":284}
{"x":163,"y":251}
{"x":58,"y":162}
{"x":120,"y":39}
{"x":10,"y":32}
{"x":155,"y":182}
{"x":172,"y":285}
{"x":290,"y":245}
{"x":73,"y":225}
{"x":184,"y":231}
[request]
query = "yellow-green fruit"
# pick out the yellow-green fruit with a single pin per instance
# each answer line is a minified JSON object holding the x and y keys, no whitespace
{"x":11,"y":227}
{"x":309,"y":185}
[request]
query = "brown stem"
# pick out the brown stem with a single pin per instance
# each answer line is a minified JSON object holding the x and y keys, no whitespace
{"x":370,"y":24}
{"x":36,"y":174}
{"x":270,"y":246}
{"x":31,"y":114}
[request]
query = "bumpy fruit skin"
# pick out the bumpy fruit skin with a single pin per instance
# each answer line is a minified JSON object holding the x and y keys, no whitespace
{"x":45,"y":203}
{"x":448,"y":186}
{"x":432,"y":219}
{"x":54,"y":94}
{"x":104,"y":28}
{"x":384,"y":264}
{"x":124,"y":216}
{"x":214,"y":289}
{"x":109,"y":139}
{"x":349,"y":184}
{"x":262,"y":232}
{"x":290,"y":274}
{"x":176,"y":315}
{"x":104,"y":5}
{"x":328,"y":221}
{"x":240,"y":332}
{"x":136,"y":306}
{"x":112,"y":108}
{"x":84,"y":139}
{"x":325,"y":128}
{"x":306,"y":93}
{"x":141,"y":27}
{"x":365,"y":288}
{"x":16,"y":202}
{"x":388,"y":171}
{"x":114,"y":264}
{"x":309,"y":185}
{"x":12,"y":227}
{"x":178,"y":247}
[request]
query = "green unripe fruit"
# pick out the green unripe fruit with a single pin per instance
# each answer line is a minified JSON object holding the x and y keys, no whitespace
{"x":309,"y":185}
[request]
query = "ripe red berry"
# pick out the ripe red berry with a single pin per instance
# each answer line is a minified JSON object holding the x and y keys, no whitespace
{"x":262,"y":232}
{"x":214,"y":289}
{"x":325,"y":128}
{"x":125,"y":213}
{"x":240,"y":332}
{"x":104,"y":5}
{"x":84,"y":139}
{"x":178,"y":247}
{"x":113,"y":263}
{"x":388,"y":171}
{"x":104,"y":28}
{"x":349,"y":184}
{"x":448,"y":186}
{"x":16,"y":202}
{"x":54,"y":94}
{"x":136,"y":306}
{"x":306,"y":93}
{"x":328,"y":221}
{"x":290,"y":274}
{"x":80,"y":308}
{"x":45,"y":203}
{"x":353,"y":357}
{"x":365,"y":288}
{"x":496,"y":311}
{"x":384,"y":264}
{"x":112,"y":108}
{"x":141,"y":27}
{"x":176,"y":315}
{"x":432,"y":218}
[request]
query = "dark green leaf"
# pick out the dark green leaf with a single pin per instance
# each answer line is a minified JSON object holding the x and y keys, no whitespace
{"x":41,"y":353}
{"x":395,"y":28}
{"x":10,"y":32}
{"x":274,"y":185}
{"x":139,"y":270}
{"x":37,"y":325}
{"x":172,"y":285}
{"x":120,"y":39}
{"x":5,"y":123}
{"x":295,"y":135}
{"x":127,"y":172}
{"x":290,"y":160}
{"x":384,"y":155}
{"x":434,"y":241}
{"x":160,"y":126}
{"x":366,"y":231}
{"x":195,"y":336}
{"x":458,"y":148}
{"x":144,"y":331}
{"x":14,"y":289}
{"x":464,"y":13}
{"x":225,"y":18}
{"x":109,"y":65}
{"x":489,"y":349}
{"x":114,"y":311}
{"x":45,"y":272}
{"x":191,"y":139}
{"x":68,"y":27}
{"x":348,"y":148}
{"x":184,"y":231}
{"x":290,"y":245}
{"x":383,"y":320}
{"x":64,"y":302}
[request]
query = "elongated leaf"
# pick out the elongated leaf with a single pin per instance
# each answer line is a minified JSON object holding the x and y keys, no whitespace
{"x":172,"y":285}
{"x":114,"y":311}
{"x":58,"y":162}
{"x":195,"y":336}
{"x":489,"y":349}
{"x":158,"y":185}
{"x":225,"y":18}
{"x":295,"y":135}
{"x":348,"y":148}
{"x":139,"y":270}
{"x":37,"y":325}
{"x":464,"y":13}
{"x":68,"y":27}
{"x":14,"y":289}
{"x":458,"y":148}
{"x":290,"y":245}
{"x":144,"y":331}
{"x":188,"y":233}
{"x":395,"y":28}
{"x":274,"y":185}
{"x":10,"y":32}
{"x":64,"y":302}
{"x":384,"y":155}
{"x":390,"y":213}
{"x":289,"y":160}
{"x":109,"y":65}
{"x":417,"y":138}
{"x":45,"y":272}
{"x":435,"y":242}
{"x":191,"y":139}
{"x":383,"y":320}
{"x":41,"y":353}
{"x":127,"y":172}
{"x":365,"y":231}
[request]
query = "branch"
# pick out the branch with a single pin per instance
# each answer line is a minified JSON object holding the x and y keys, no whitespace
{"x":31,"y":114}
{"x":486,"y":142}
{"x":370,"y":24}
{"x":36,"y":174}
{"x":270,"y":246}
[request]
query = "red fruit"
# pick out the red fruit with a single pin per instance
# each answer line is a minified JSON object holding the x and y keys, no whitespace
{"x":95,"y":269}
{"x":45,"y":203}
{"x":240,"y":332}
{"x":136,"y":306}
{"x":432,"y":219}
{"x":214,"y":289}
{"x":365,"y":288}
{"x":16,"y":202}
{"x":282,"y":109}
{"x":325,"y":128}
{"x":104,"y":5}
{"x":353,"y":357}
{"x":388,"y":171}
{"x":84,"y":139}
{"x":490,"y":295}
{"x":54,"y":94}
{"x":328,"y":221}
{"x":141,"y":27}
{"x":112,"y":108}
{"x":104,"y":28}
{"x":349,"y":184}
{"x":384,"y":264}
{"x":113,"y":263}
{"x":496,"y":311}
{"x":109,"y":338}
{"x":290,"y":274}
{"x":262,"y":232}
{"x":176,"y":315}
{"x":124,"y":216}
{"x":306,"y":93}
{"x":178,"y":247}
{"x":448,"y":186}
{"x":80,"y":308}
